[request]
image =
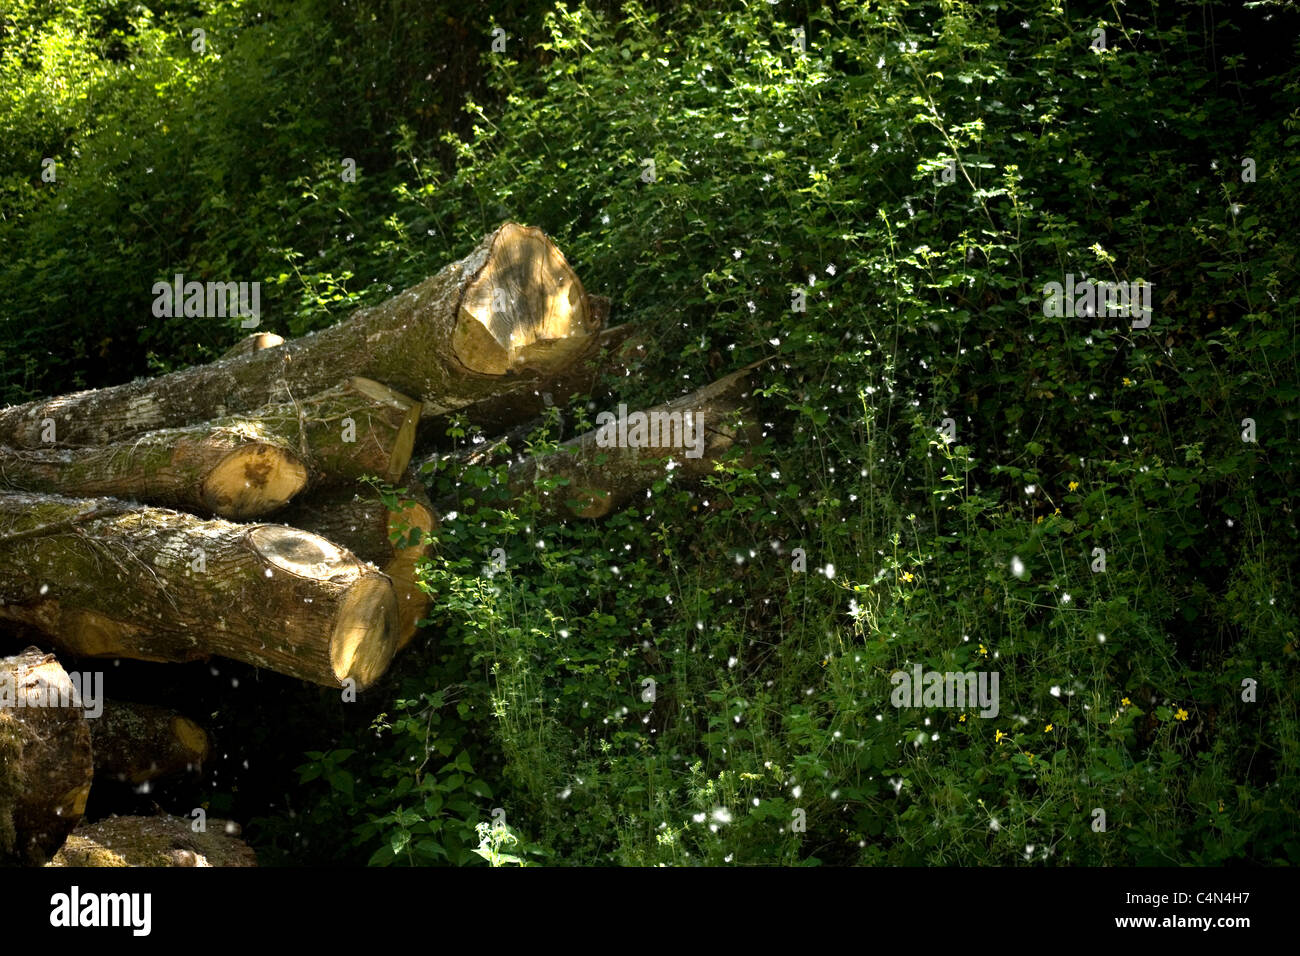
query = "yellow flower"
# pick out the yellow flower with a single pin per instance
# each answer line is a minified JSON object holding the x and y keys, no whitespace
{"x":1031,"y":757}
{"x":1125,"y":702}
{"x":1128,"y":381}
{"x":1180,"y":714}
{"x":907,"y":575}
{"x":984,"y":650}
{"x":1039,"y":520}
{"x":1047,"y":728}
{"x":1057,"y":511}
{"x":1074,"y":485}
{"x":998,"y":738}
{"x":961,"y":719}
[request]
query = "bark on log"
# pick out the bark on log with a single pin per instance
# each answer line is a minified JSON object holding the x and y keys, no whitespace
{"x":393,"y":541}
{"x":613,"y":353}
{"x":239,"y":467}
{"x":509,"y":313}
{"x":598,"y":480}
{"x":137,"y":743}
{"x":235,"y":469}
{"x":155,"y":841}
{"x":358,"y":428}
{"x":105,"y":578}
{"x":253,"y":343}
{"x":45,"y":760}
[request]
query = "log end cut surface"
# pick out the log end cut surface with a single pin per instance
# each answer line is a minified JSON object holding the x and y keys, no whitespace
{"x":365,"y":631}
{"x":525,"y":308}
{"x":365,"y":638}
{"x":253,"y":480}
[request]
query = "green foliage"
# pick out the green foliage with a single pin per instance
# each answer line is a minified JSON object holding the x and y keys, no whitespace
{"x":918,"y":176}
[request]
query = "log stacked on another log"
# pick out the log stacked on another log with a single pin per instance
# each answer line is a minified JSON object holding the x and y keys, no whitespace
{"x":324,"y":584}
{"x":85,"y":561}
{"x":105,"y":578}
{"x":510,"y":313}
{"x":393,"y":540}
{"x":138,"y":743}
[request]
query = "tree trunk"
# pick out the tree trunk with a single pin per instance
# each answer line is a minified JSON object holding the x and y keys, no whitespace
{"x":597,"y":479}
{"x":392,"y":540}
{"x":238,"y":470}
{"x":239,"y":467}
{"x":358,"y":428}
{"x":614,"y":352}
{"x":137,"y":743}
{"x":510,"y":312}
{"x":253,"y":343}
{"x":104,"y":578}
{"x":45,"y":760}
{"x":155,"y":842}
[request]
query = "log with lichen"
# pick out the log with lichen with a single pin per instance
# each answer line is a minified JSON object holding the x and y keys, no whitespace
{"x":510,"y":313}
{"x":45,"y":757}
{"x":107,"y":578}
{"x":161,"y":841}
{"x":136,"y":743}
{"x":241,"y":466}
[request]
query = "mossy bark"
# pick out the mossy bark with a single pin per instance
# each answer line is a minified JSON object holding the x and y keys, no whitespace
{"x":136,"y":743}
{"x":105,"y":578}
{"x":46,"y":770}
{"x":509,"y":313}
{"x":241,"y":466}
{"x":161,"y":841}
{"x":235,"y":469}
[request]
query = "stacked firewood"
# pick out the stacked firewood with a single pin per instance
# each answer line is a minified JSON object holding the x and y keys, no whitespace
{"x":219,"y":510}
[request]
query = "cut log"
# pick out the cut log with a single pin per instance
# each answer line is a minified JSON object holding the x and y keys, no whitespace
{"x":239,"y":467}
{"x":614,"y":353}
{"x":392,"y":540}
{"x":358,"y":428}
{"x":238,"y":470}
{"x":155,"y":841}
{"x":105,"y":578}
{"x":509,"y":313}
{"x":596,"y":479}
{"x":45,"y":760}
{"x":136,"y":743}
{"x":253,"y":343}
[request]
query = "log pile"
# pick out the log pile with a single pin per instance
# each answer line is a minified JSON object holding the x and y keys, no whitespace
{"x":221,"y":510}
